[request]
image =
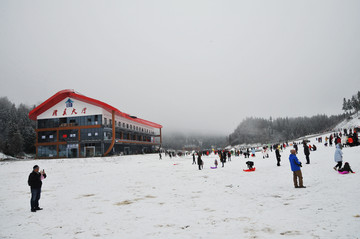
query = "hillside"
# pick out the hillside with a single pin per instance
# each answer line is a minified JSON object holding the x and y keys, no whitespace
{"x":350,"y":122}
{"x":260,"y":130}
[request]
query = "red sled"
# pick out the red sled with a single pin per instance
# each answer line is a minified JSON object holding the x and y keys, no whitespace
{"x":249,"y":170}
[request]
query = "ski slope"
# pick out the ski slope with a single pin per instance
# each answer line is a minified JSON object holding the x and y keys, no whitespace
{"x":347,"y":124}
{"x":143,"y":197}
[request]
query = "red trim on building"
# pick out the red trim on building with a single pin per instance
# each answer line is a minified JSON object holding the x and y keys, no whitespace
{"x":61,"y":95}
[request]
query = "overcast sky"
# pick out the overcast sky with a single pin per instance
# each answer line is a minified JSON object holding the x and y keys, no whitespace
{"x":192,"y":66}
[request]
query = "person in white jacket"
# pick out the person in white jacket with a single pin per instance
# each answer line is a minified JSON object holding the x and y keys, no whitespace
{"x":338,"y":157}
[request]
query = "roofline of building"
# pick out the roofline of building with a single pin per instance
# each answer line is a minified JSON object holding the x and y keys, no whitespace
{"x":59,"y":96}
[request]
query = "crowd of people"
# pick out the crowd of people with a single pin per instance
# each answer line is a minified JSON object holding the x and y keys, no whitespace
{"x":347,"y":138}
{"x":344,"y":138}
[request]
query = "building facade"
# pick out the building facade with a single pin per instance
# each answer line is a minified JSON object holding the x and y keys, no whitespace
{"x":71,"y":125}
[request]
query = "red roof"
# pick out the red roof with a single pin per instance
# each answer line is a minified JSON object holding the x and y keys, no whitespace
{"x":61,"y":95}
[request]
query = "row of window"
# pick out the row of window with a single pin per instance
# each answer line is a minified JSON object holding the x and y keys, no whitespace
{"x":88,"y":134}
{"x":127,"y":126}
{"x":69,"y":121}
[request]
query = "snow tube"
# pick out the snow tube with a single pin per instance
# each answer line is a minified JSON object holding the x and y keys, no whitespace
{"x":213,"y":167}
{"x":249,"y":170}
{"x":344,"y":172}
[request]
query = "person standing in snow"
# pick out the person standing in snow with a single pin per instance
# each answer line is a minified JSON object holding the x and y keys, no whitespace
{"x":278,"y":156}
{"x":296,"y":169}
{"x":296,"y":147}
{"x":35,"y":184}
{"x":222,"y":159}
{"x":330,"y":140}
{"x":253,"y":152}
{"x":229,"y":156}
{"x":199,"y":161}
{"x":160,"y":156}
{"x":338,"y":156}
{"x":193,"y":155}
{"x":306,"y":152}
{"x":224,"y":156}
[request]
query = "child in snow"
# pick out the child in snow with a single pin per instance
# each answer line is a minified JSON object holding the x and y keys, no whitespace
{"x":216,"y":163}
{"x":250,"y":164}
{"x":346,"y":168}
{"x":338,"y":157}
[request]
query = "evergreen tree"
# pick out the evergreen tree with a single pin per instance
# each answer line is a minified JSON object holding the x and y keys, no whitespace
{"x":345,"y":106}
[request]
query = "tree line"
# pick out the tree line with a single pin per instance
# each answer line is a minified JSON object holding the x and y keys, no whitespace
{"x":259,"y":130}
{"x":353,"y":104}
{"x":17,"y":131}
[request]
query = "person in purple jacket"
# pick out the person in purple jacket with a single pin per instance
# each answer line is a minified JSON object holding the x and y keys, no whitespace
{"x":295,"y":168}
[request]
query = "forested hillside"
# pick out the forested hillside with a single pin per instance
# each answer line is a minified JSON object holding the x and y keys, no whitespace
{"x":260,"y":130}
{"x":17,"y":131}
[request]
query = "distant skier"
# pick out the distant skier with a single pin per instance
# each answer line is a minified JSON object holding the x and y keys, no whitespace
{"x":338,"y":156}
{"x":229,"y":156}
{"x":296,"y":169}
{"x":278,"y":156}
{"x":35,"y":183}
{"x":160,"y":157}
{"x":306,"y":152}
{"x":193,"y":156}
{"x":253,"y":152}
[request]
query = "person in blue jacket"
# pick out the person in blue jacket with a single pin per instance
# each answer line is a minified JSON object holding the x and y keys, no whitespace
{"x":296,"y":169}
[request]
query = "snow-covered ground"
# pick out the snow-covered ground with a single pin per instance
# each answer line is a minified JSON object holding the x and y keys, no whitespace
{"x":143,"y":197}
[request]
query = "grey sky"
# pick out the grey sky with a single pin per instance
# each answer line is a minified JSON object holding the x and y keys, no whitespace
{"x":198,"y":66}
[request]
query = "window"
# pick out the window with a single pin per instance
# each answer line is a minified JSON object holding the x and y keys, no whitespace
{"x":72,"y":135}
{"x":43,"y":137}
{"x":119,"y":124}
{"x":96,"y":133}
{"x":123,"y":125}
{"x":127,"y":125}
{"x":105,"y":121}
{"x":110,"y":122}
{"x":89,"y":134}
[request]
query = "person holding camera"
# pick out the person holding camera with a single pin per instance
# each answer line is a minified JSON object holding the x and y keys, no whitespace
{"x":35,"y":183}
{"x":295,"y":168}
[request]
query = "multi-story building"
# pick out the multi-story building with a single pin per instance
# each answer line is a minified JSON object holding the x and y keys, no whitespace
{"x":72,"y":125}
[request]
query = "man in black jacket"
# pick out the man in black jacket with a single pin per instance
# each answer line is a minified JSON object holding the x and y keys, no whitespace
{"x":35,"y":183}
{"x":306,"y":152}
{"x":278,"y":155}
